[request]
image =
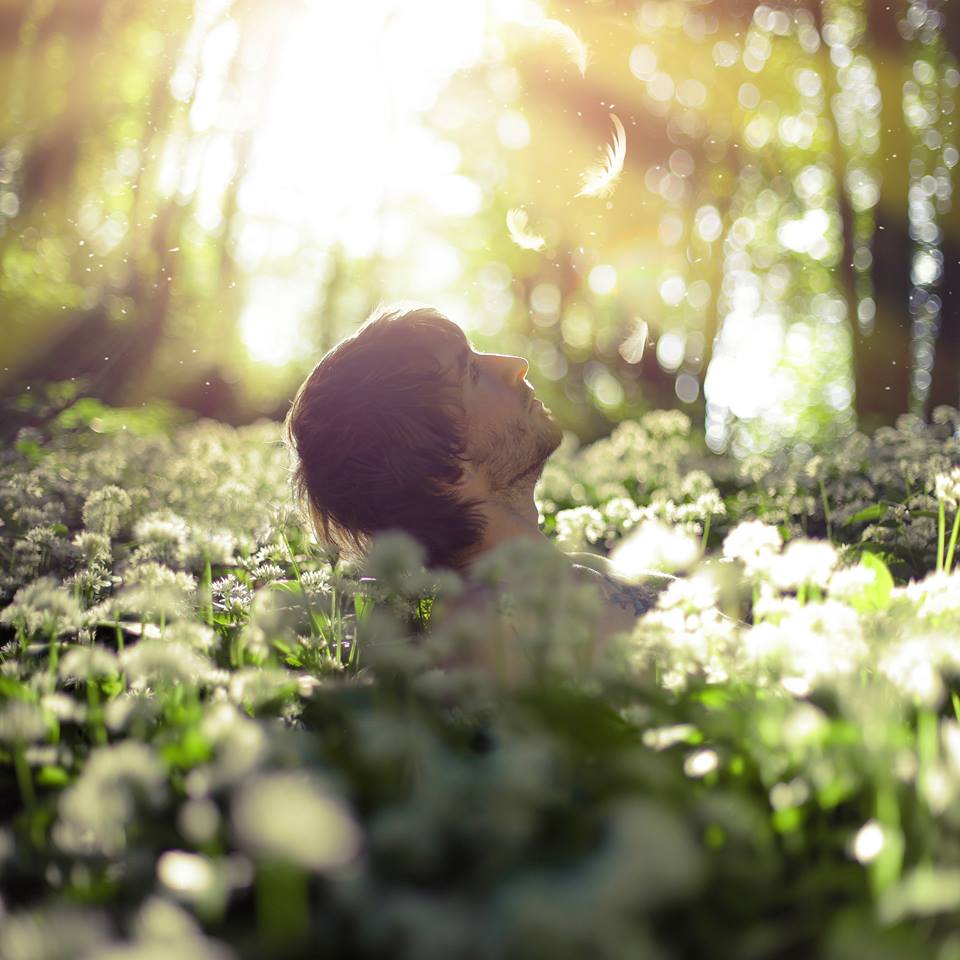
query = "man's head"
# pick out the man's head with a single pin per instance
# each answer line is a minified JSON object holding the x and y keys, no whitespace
{"x":403,"y":426}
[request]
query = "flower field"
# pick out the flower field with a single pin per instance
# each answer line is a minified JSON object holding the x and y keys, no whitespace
{"x":219,"y":740}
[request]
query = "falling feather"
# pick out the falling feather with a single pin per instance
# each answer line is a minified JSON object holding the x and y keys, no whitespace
{"x":600,"y":179}
{"x":632,"y":348}
{"x":517,"y":225}
{"x":575,"y":48}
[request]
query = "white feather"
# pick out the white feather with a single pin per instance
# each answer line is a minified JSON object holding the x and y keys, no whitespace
{"x":600,"y":179}
{"x":632,"y":348}
{"x":575,"y":48}
{"x":517,"y":225}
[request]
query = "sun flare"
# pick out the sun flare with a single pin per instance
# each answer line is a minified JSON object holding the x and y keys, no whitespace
{"x":340,"y":153}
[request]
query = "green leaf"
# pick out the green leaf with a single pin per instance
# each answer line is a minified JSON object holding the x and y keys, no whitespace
{"x":285,"y":586}
{"x":192,"y":749}
{"x":30,"y":449}
{"x":52,"y":777}
{"x":875,"y":596}
{"x":10,"y":688}
{"x":362,"y":606}
{"x":874,"y":512}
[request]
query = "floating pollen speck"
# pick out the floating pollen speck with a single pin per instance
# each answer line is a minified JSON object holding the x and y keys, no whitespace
{"x":600,"y":180}
{"x":519,"y":233}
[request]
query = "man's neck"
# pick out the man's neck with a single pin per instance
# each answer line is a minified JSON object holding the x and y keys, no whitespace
{"x":507,"y":516}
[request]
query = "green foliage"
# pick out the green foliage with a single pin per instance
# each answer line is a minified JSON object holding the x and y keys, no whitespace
{"x":217,"y":736}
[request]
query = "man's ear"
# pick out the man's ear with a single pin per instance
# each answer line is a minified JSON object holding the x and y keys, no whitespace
{"x":471,"y":485}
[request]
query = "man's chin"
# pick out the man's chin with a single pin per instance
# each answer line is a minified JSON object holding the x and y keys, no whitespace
{"x":552,"y":432}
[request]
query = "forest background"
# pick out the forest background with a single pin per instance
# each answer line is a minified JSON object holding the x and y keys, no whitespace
{"x":198,"y":198}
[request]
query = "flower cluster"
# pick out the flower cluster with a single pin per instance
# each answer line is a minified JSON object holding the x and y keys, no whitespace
{"x":201,"y":709}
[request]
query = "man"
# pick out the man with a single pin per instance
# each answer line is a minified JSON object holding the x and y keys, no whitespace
{"x":404,"y":426}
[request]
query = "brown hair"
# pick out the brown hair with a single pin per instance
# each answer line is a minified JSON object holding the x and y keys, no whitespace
{"x":377,"y":427}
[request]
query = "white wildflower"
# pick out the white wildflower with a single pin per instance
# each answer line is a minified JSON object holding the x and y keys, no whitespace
{"x":105,"y":510}
{"x":21,"y":721}
{"x":253,"y":687}
{"x":132,"y":709}
{"x":231,"y":596}
{"x":908,"y":665}
{"x":292,"y":816}
{"x":947,"y":487}
{"x":654,"y":546}
{"x":869,"y":842}
{"x":660,"y":738}
{"x":812,"y":644}
{"x":165,"y":533}
{"x":217,"y":546}
{"x":95,"y":547}
{"x":95,"y":810}
{"x":161,"y":662}
{"x":63,"y":707}
{"x":803,"y":562}
{"x":754,"y":543}
{"x":693,"y":594}
{"x":696,"y":483}
{"x":621,"y":513}
{"x":666,"y":423}
{"x":396,"y":560}
{"x":84,"y":663}
{"x":578,"y":527}
{"x":936,"y":596}
{"x":849,"y":583}
{"x":43,"y":606}
{"x":196,"y":635}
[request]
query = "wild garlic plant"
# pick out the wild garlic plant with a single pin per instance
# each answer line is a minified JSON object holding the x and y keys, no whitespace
{"x":218,"y":738}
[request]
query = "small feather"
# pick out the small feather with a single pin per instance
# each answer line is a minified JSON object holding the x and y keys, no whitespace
{"x":632,"y":348}
{"x":575,"y":48}
{"x":600,"y":180}
{"x":517,"y":225}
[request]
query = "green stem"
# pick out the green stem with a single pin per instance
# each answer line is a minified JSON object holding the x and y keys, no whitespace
{"x":282,"y":907}
{"x":24,"y":778}
{"x":206,"y":600}
{"x":333,"y":619}
{"x":941,"y":529}
{"x":316,"y":628}
{"x":54,"y":655}
{"x":885,"y":870}
{"x":706,"y":534}
{"x":98,"y":732}
{"x":826,"y":508}
{"x":953,"y":541}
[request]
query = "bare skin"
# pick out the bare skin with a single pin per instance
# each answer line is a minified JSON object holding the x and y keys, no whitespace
{"x":510,"y":436}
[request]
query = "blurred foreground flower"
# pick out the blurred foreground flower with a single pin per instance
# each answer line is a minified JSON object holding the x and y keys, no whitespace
{"x":754,"y":543}
{"x":291,"y":816}
{"x":654,"y":546}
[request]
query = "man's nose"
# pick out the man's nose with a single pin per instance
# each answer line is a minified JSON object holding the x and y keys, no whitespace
{"x":512,"y":369}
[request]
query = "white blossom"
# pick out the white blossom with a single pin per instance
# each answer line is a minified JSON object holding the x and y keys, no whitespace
{"x":754,"y":543}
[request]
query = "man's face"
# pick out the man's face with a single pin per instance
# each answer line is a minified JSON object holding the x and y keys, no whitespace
{"x":509,"y":432}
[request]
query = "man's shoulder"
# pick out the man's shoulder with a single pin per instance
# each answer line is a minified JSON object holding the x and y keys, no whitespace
{"x":637,"y":597}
